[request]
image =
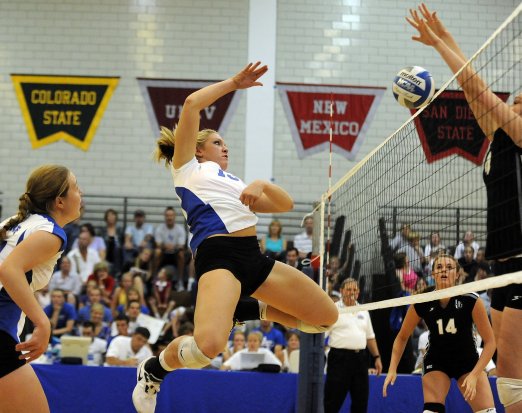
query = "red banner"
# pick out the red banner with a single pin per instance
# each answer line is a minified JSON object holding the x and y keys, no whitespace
{"x":448,"y":127}
{"x":308,"y":108}
{"x":165,"y":98}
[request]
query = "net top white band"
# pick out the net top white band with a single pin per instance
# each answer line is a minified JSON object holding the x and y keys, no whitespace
{"x":492,"y":282}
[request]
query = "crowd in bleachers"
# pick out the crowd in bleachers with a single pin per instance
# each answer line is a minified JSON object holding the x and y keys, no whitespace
{"x":132,"y":290}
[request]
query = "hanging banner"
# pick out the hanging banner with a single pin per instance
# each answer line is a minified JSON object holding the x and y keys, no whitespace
{"x":307,"y":108}
{"x":448,"y":127}
{"x":165,"y":98}
{"x":63,"y":107}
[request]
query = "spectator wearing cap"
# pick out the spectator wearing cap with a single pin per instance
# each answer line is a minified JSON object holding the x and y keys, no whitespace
{"x":137,"y":236}
{"x":129,"y":351}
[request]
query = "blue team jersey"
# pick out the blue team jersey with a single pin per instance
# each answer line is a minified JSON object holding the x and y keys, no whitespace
{"x":11,"y":317}
{"x":210,"y":200}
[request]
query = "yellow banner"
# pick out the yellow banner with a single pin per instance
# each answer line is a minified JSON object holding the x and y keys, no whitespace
{"x":63,"y":107}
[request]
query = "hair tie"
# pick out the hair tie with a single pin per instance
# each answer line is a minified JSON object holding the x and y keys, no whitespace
{"x":29,"y":196}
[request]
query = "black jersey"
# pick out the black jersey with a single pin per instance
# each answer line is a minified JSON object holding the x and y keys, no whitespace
{"x":451,"y":328}
{"x":502,"y":176}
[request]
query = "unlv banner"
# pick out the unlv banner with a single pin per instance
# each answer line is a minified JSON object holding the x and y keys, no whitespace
{"x":165,"y":100}
{"x":307,"y":109}
{"x":447,"y":126}
{"x":63,"y":107}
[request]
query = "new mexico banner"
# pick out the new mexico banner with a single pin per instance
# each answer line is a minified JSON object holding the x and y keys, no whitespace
{"x":447,"y":126}
{"x":63,"y":107}
{"x":165,"y":98}
{"x":307,"y":109}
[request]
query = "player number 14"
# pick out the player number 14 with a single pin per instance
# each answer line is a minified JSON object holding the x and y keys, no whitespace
{"x":450,"y":327}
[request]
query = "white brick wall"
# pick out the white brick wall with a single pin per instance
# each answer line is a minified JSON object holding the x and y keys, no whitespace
{"x":350,"y":42}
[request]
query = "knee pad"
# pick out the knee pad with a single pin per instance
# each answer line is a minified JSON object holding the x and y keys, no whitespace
{"x":190,"y":355}
{"x":490,"y":410}
{"x":509,"y":390}
{"x":433,"y":408}
{"x":311,"y":329}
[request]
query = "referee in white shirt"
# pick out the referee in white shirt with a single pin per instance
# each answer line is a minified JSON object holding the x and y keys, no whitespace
{"x":347,"y":365}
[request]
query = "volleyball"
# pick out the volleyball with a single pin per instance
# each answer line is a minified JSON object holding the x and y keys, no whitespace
{"x":413,"y":87}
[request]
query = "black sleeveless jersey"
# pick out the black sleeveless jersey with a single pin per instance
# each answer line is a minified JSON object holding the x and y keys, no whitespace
{"x":503,"y":178}
{"x":451,"y":328}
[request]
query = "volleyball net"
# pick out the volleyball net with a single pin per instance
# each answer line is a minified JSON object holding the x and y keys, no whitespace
{"x":426,"y":177}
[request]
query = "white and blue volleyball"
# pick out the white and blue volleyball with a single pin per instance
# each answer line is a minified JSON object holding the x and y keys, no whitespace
{"x":413,"y":87}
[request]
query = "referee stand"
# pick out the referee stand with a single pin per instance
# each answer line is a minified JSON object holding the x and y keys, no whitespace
{"x":310,"y":386}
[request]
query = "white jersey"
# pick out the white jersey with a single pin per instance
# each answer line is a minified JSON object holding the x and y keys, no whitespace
{"x":11,"y":317}
{"x":210,"y":200}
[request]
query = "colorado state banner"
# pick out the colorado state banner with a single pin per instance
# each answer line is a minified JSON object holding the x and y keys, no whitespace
{"x":63,"y":107}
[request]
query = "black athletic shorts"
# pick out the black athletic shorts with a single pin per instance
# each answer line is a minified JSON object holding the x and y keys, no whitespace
{"x":9,"y":360}
{"x":452,"y":368}
{"x":239,"y":255}
{"x":510,"y":295}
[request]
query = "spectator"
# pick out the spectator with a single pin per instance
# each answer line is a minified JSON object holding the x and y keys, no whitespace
{"x":170,"y":241}
{"x":303,"y":241}
{"x":105,"y":281}
{"x":61,"y":314}
{"x":292,"y":258}
{"x":469,"y":239}
{"x":347,"y":364}
{"x":97,"y":243}
{"x":414,"y":252}
{"x":468,"y":265}
{"x":112,"y":234}
{"x":132,"y":312}
{"x":98,"y":346}
{"x":238,"y":344}
{"x":273,"y":338}
{"x":405,"y":274}
{"x":142,"y":268}
{"x":253,"y":346}
{"x":121,"y":327}
{"x":66,"y":280}
{"x":293,"y":342}
{"x":274,"y":244}
{"x":132,"y":295}
{"x":401,"y":239}
{"x":336,"y":274}
{"x":160,"y":302}
{"x":101,"y":328}
{"x":94,"y":297}
{"x":119,"y":298}
{"x":83,"y":258}
{"x":483,"y":272}
{"x":129,"y":351}
{"x":137,"y":236}
{"x":435,"y":242}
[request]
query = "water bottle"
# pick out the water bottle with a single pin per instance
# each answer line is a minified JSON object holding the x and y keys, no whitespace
{"x":49,"y":355}
{"x":57,"y":351}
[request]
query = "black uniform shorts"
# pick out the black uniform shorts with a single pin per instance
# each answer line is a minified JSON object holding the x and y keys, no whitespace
{"x":9,"y":360}
{"x":510,"y":295}
{"x":239,"y":255}
{"x":453,"y":368}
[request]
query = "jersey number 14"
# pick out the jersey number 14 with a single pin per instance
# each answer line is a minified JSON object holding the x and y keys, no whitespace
{"x":450,"y":327}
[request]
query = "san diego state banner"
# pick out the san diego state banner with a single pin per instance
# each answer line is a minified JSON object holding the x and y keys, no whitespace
{"x":307,"y":108}
{"x":448,"y":127}
{"x":63,"y":107}
{"x":165,"y":98}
